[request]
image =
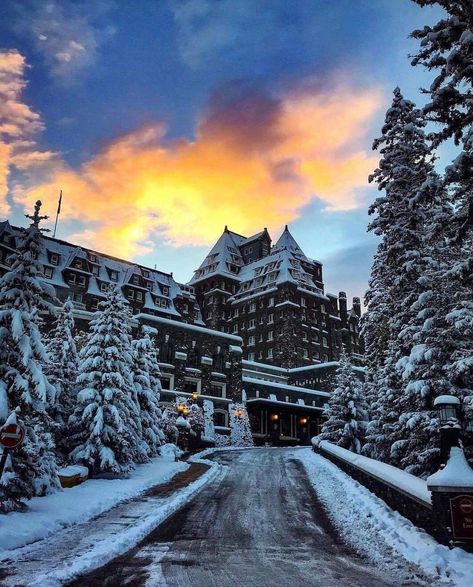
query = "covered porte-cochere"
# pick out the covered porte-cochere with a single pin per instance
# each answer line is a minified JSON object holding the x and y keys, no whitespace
{"x":283,"y":423}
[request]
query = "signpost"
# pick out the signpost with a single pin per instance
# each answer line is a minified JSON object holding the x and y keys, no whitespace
{"x":11,"y":436}
{"x":461,"y":508}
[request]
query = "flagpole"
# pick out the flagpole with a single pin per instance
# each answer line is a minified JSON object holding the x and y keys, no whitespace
{"x":57,"y":213}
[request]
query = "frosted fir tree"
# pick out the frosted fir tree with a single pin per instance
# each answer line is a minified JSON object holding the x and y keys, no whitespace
{"x":240,"y":430}
{"x":31,"y":470}
{"x":62,"y":370}
{"x":148,"y":387}
{"x":346,"y":412}
{"x":170,"y":430}
{"x":107,"y":414}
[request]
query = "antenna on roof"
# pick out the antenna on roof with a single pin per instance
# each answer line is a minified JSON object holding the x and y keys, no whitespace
{"x":57,"y":213}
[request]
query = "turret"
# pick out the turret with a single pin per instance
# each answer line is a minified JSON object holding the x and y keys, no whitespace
{"x":342,"y":304}
{"x":357,"y":306}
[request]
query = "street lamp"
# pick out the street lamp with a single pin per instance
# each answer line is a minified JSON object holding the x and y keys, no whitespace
{"x":239,"y":412}
{"x":448,"y":407}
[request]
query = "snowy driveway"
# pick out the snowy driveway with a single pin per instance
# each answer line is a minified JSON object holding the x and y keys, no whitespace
{"x":258,"y":523}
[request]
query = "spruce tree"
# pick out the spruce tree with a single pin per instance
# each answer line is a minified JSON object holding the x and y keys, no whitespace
{"x":62,"y":371}
{"x":148,"y":386}
{"x":346,"y":412}
{"x":31,"y":469}
{"x":106,"y":412}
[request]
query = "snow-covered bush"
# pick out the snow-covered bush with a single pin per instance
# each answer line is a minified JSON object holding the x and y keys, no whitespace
{"x":240,"y":430}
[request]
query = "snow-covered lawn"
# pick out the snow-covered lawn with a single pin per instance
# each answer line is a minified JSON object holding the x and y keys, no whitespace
{"x":378,"y":532}
{"x":47,"y":515}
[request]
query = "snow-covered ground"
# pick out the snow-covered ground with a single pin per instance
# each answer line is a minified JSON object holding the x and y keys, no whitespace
{"x":378,"y":532}
{"x":49,"y":514}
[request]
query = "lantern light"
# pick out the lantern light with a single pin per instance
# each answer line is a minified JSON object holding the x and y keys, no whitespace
{"x":303,"y":420}
{"x":195,"y":395}
{"x":274,"y":417}
{"x":448,"y":406}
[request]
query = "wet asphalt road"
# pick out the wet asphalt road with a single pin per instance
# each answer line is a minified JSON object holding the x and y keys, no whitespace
{"x":259,"y":523}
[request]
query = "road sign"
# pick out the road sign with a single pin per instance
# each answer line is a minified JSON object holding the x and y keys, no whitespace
{"x":461,"y":508}
{"x":11,"y":435}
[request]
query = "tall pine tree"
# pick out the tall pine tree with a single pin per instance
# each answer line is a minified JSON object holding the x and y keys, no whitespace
{"x":31,"y":470}
{"x":148,"y":386}
{"x":106,"y":413}
{"x":62,"y":371}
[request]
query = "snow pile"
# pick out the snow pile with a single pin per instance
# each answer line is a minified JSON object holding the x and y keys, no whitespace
{"x":456,"y":473}
{"x":46,"y":515}
{"x":393,"y":476}
{"x":374,"y":530}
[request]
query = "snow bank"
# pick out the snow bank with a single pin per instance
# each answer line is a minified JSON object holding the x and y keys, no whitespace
{"x":115,"y":545}
{"x":376,"y":531}
{"x":397,"y":478}
{"x":46,"y":515}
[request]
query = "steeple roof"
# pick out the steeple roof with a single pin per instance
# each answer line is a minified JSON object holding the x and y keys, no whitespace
{"x":287,"y":242}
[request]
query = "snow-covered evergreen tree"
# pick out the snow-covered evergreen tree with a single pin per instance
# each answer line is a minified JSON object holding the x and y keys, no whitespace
{"x":148,"y":387}
{"x":62,"y":371}
{"x":209,"y":427}
{"x":240,"y":430}
{"x":31,"y":470}
{"x":346,"y":411}
{"x":107,"y":414}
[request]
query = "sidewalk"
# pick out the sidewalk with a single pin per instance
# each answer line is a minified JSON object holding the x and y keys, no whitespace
{"x":83,"y":547}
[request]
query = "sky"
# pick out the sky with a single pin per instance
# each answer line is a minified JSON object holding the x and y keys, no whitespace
{"x":164,"y":120}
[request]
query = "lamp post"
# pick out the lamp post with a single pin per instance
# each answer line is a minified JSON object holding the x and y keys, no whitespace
{"x":448,"y":407}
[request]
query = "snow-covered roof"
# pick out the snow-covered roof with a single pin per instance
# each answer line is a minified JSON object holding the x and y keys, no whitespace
{"x":286,"y":262}
{"x":456,"y":474}
{"x":284,"y":386}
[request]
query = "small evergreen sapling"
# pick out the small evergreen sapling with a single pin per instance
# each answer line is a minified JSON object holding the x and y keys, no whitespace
{"x":346,"y":411}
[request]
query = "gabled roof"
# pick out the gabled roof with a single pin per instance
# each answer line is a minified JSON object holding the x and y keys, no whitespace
{"x":287,"y":242}
{"x":225,"y":253}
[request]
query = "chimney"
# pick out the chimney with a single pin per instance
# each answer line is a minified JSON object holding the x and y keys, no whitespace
{"x":342,"y":304}
{"x":357,"y":306}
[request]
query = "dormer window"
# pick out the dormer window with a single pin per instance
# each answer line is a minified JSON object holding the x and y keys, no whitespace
{"x":103,"y":287}
{"x":165,"y":290}
{"x":54,"y":259}
{"x":77,"y":264}
{"x":95,"y":269}
{"x":149,"y":285}
{"x":145,"y":273}
{"x":113,"y":275}
{"x":48,"y":272}
{"x":92,"y":258}
{"x":131,"y":294}
{"x":135,"y":279}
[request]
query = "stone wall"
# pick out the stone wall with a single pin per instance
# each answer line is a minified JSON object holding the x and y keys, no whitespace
{"x":417,"y":511}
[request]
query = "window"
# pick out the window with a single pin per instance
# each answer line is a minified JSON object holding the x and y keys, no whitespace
{"x":139,"y":296}
{"x":145,"y":273}
{"x":252,"y":323}
{"x":72,"y":279}
{"x":271,"y":302}
{"x":252,"y":307}
{"x":191,"y":385}
{"x":114,"y":275}
{"x":269,"y":354}
{"x":135,"y":279}
{"x":220,"y":418}
{"x":92,"y":258}
{"x":251,"y":356}
{"x":251,"y":341}
{"x":131,"y":294}
{"x":81,"y":280}
{"x":103,"y":286}
{"x":305,"y":353}
{"x":54,"y":259}
{"x":95,"y":269}
{"x":236,"y":313}
{"x":165,"y":381}
{"x":270,"y":318}
{"x":94,"y":304}
{"x":165,"y":290}
{"x":77,"y":297}
{"x":149,"y":285}
{"x":217,"y":389}
{"x":325,"y":358}
{"x":48,"y":272}
{"x":322,"y":308}
{"x":235,"y":328}
{"x":303,"y":304}
{"x":324,"y":341}
{"x":270,"y":335}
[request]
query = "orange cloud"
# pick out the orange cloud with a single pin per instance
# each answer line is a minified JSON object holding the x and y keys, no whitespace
{"x":256,"y":160}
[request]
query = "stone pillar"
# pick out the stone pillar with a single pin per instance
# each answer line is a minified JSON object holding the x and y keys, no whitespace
{"x":452,"y":500}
